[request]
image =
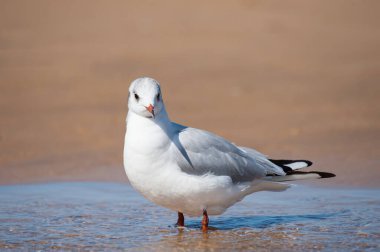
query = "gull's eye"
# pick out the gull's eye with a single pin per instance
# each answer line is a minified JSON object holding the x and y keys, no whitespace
{"x":158,"y":97}
{"x":137,"y":97}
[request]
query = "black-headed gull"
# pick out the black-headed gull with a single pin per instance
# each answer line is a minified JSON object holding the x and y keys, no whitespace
{"x":193,"y":171}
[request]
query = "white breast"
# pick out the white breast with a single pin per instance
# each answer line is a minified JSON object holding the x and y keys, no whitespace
{"x":151,"y":167}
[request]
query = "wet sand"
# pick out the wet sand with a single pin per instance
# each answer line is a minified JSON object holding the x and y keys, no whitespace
{"x":109,"y":216}
{"x":293,"y":79}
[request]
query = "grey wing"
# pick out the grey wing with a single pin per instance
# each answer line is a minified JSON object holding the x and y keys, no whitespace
{"x":201,"y":152}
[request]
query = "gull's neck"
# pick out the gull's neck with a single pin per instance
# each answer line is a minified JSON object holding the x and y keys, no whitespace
{"x":142,"y":130}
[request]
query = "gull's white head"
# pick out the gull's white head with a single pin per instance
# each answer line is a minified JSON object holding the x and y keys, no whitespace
{"x":145,"y":97}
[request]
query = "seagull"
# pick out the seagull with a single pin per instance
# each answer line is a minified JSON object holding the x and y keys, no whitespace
{"x":193,"y":171}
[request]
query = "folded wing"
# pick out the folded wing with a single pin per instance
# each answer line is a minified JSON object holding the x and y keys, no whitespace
{"x":201,"y":152}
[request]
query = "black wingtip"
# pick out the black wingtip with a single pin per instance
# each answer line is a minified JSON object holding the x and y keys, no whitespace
{"x":283,"y":162}
{"x":324,"y":174}
{"x":309,"y":163}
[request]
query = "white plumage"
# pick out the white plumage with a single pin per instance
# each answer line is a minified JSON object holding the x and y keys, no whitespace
{"x":186,"y":169}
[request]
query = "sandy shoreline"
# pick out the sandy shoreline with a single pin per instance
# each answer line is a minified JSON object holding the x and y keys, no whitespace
{"x":293,"y":79}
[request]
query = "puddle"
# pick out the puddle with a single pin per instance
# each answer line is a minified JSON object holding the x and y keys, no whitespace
{"x":110,"y":216}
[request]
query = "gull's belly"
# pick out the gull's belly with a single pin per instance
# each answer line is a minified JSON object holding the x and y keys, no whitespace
{"x":167,"y":186}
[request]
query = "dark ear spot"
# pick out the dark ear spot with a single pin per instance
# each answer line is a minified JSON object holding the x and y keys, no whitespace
{"x":136,"y":97}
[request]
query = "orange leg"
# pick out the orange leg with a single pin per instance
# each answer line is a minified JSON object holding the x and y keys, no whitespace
{"x":205,"y":221}
{"x":181,"y":220}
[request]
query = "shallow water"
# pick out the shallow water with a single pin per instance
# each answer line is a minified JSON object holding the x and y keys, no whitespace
{"x":100,"y":216}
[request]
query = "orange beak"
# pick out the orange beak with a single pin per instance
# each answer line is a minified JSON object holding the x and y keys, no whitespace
{"x":150,"y":108}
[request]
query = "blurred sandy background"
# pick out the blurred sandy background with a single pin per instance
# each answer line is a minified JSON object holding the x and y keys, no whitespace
{"x":294,"y":79}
